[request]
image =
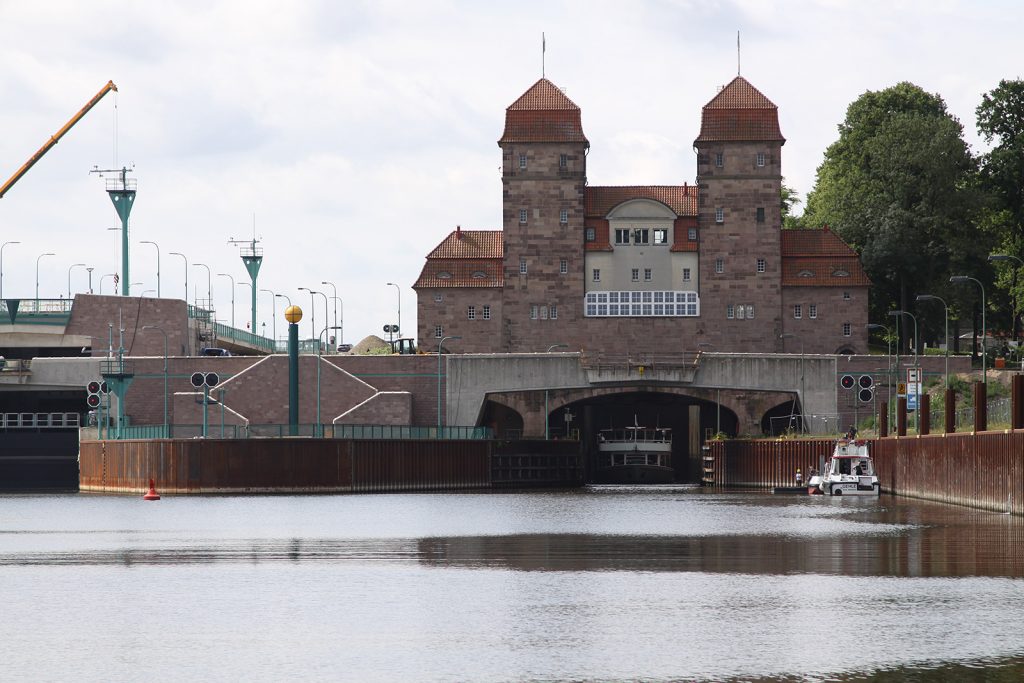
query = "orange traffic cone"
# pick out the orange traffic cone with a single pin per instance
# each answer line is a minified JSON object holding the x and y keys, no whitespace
{"x":152,"y":494}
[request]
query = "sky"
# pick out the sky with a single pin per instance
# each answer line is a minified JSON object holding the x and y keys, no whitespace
{"x":351,"y":137}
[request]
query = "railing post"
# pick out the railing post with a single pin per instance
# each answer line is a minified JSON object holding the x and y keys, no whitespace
{"x":924,"y":417}
{"x":980,"y":407}
{"x":950,"y":411}
{"x":1017,"y":402}
{"x":883,"y":419}
{"x":901,"y":416}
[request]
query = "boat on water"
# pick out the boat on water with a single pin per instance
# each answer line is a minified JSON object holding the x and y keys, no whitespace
{"x":850,"y":471}
{"x":635,"y":455}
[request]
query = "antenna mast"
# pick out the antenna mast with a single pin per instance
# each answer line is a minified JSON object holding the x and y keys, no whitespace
{"x":121,"y":190}
{"x":543,"y":51}
{"x":737,"y":53}
{"x":252,"y":257}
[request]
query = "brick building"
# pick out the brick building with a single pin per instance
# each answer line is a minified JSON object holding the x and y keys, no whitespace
{"x":643,"y":269}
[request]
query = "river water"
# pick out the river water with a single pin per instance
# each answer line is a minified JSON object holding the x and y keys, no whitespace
{"x":653,"y":584}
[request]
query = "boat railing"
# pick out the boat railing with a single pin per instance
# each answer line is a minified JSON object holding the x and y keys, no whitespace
{"x":636,"y":435}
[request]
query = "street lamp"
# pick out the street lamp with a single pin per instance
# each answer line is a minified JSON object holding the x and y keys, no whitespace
{"x":957,"y":279}
{"x":718,"y":396}
{"x":318,"y":425}
{"x":312,"y":309}
{"x":232,"y":297}
{"x":209,"y":283}
{"x":157,"y":264}
{"x":178,"y":253}
{"x":273,"y":316}
{"x":1010,"y":257}
{"x":101,"y":280}
{"x":341,"y":325}
{"x":335,"y":297}
{"x":898,"y":313}
{"x":932,"y":297}
{"x":37,"y":276}
{"x":547,"y":434}
{"x":399,"y":291}
{"x":440,"y":345}
{"x":2,"y":266}
{"x":791,"y":335}
{"x":888,"y":361}
{"x":70,"y":268}
{"x":167,"y":433}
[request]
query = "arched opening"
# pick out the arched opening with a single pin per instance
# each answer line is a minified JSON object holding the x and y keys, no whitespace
{"x":505,"y":422}
{"x":783,"y":418}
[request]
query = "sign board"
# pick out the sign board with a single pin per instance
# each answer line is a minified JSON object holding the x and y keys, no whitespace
{"x":901,"y":389}
{"x":913,"y":375}
{"x":912,"y":395}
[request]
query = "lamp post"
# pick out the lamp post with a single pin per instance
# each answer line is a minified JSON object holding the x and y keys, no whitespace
{"x":888,"y":363}
{"x":1010,"y":257}
{"x":319,"y":427}
{"x":289,"y":300}
{"x":101,"y":280}
{"x":932,"y":297}
{"x":898,"y":313}
{"x":232,"y":296}
{"x":312,"y":309}
{"x":399,"y":291}
{"x":2,"y":246}
{"x":440,"y":345}
{"x":326,"y":306}
{"x":70,"y":268}
{"x":157,"y":264}
{"x":37,"y":276}
{"x":273,"y":316}
{"x":90,"y":269}
{"x":718,"y":396}
{"x":178,"y":253}
{"x":957,"y":279}
{"x":167,"y":433}
{"x":341,"y":325}
{"x":209,"y":283}
{"x":791,"y":335}
{"x":335,"y":297}
{"x":547,"y":434}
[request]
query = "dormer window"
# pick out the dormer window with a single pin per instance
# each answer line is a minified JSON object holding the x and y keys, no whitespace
{"x":840,"y":273}
{"x":444,"y":275}
{"x":479,"y":275}
{"x":805,"y":273}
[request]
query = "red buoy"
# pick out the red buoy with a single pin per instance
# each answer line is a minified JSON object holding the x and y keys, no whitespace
{"x":152,"y":494}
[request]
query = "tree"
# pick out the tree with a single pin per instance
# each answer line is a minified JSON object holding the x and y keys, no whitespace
{"x":789,"y":199}
{"x":899,"y":186}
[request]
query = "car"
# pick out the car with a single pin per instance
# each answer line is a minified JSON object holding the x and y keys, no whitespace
{"x":344,"y":348}
{"x":214,"y":351}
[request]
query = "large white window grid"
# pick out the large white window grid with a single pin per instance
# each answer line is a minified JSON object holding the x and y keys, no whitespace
{"x":642,"y":304}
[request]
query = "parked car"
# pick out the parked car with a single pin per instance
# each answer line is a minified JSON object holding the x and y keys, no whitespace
{"x":214,"y":351}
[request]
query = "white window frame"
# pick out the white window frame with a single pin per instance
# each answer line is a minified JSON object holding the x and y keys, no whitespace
{"x":847,"y":330}
{"x":553,"y":312}
{"x":741,"y":312}
{"x":543,"y":312}
{"x":812,"y":311}
{"x":660,"y":236}
{"x":622,"y":236}
{"x":750,"y":311}
{"x":648,"y":274}
{"x":635,"y":275}
{"x":563,"y":266}
{"x":760,"y":159}
{"x":533,"y":311}
{"x":522,"y":161}
{"x":471,"y":313}
{"x":487,"y":312}
{"x":563,"y":216}
{"x":730,"y":312}
{"x":691,"y":234}
{"x":523,"y":268}
{"x":719,"y":215}
{"x":686,"y":274}
{"x":719,"y":265}
{"x":761,"y":265}
{"x":597,"y":275}
{"x":641,"y":236}
{"x":589,"y":234}
{"x":798,"y":312}
{"x":523,"y":216}
{"x":438,"y":332}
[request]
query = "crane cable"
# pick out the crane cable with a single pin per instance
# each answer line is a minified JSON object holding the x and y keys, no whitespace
{"x":114,"y":142}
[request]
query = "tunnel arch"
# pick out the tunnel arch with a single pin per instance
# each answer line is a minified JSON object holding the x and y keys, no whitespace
{"x":505,"y":421}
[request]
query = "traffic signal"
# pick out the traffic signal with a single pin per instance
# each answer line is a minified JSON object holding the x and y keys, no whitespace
{"x":847,"y":381}
{"x":93,"y":400}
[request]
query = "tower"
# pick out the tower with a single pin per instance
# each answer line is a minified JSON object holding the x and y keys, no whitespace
{"x":544,"y":171}
{"x":739,"y":173}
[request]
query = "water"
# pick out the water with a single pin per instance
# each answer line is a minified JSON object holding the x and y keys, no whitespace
{"x":607,"y":584}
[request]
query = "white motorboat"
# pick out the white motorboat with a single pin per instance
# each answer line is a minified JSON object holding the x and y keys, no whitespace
{"x":849,"y":472}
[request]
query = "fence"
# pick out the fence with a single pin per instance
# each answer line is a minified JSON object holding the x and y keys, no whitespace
{"x":39,"y":421}
{"x":216,"y":430}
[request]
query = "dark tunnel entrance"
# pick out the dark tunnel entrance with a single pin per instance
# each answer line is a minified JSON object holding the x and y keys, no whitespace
{"x":691,"y":421}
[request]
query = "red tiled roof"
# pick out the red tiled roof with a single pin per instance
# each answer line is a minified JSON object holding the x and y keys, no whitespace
{"x":739,"y":113}
{"x":443,"y":273}
{"x":599,"y":201}
{"x":543,"y":114}
{"x":819,"y":258}
{"x":470,"y":244}
{"x":601,"y":239}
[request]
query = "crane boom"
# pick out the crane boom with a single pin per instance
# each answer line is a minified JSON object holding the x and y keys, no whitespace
{"x":56,"y":138}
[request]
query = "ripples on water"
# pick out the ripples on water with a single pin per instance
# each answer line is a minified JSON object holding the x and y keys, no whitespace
{"x":604,"y":584}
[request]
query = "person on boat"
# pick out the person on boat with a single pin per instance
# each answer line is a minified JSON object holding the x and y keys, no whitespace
{"x":799,"y":477}
{"x":859,"y":469}
{"x":852,"y":434}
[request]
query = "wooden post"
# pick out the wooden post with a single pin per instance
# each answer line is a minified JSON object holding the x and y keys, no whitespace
{"x":950,"y":411}
{"x":980,"y":407}
{"x":924,"y":405}
{"x":901,"y":416}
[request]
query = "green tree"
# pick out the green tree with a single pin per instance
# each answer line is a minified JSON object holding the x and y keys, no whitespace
{"x":899,"y":185}
{"x":789,"y":199}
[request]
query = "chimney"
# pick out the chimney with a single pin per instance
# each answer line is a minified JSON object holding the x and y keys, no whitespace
{"x":458,"y":232}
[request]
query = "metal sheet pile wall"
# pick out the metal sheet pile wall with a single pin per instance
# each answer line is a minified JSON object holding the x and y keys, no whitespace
{"x":765,"y":463}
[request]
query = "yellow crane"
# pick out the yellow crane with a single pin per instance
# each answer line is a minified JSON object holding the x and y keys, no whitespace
{"x":56,"y":138}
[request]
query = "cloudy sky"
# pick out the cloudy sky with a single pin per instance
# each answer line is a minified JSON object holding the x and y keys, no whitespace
{"x":360,"y":133}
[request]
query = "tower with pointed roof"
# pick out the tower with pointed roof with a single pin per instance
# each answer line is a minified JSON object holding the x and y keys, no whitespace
{"x":739,"y":174}
{"x":544,"y":171}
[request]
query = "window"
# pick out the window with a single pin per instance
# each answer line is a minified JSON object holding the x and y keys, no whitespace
{"x":621,"y":235}
{"x":563,"y":266}
{"x":563,"y":216}
{"x":741,"y":312}
{"x":719,"y":159}
{"x":522,"y":216}
{"x":846,"y":296}
{"x":471,"y":313}
{"x":563,"y":160}
{"x":438,"y":332}
{"x":522,"y":265}
{"x":589,"y":234}
{"x":660,"y":236}
{"x":730,"y":312}
{"x":479,"y":275}
{"x":812,"y":311}
{"x":543,"y":312}
{"x":760,"y":214}
{"x":554,"y":312}
{"x":719,"y":265}
{"x":487,"y":312}
{"x":438,"y":298}
{"x":750,"y":311}
{"x":760,"y":265}
{"x":798,"y":311}
{"x":641,"y":236}
{"x":847,"y":329}
{"x":760,"y":158}
{"x":444,"y":275}
{"x":533,"y":311}
{"x":719,"y":215}
{"x":686,"y":274}
{"x":597,"y":274}
{"x":691,"y":234}
{"x":636,"y":275}
{"x":647,"y":274}
{"x":522,"y":161}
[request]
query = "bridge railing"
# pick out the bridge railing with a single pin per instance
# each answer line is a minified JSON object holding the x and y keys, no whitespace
{"x":215,"y":430}
{"x":39,"y":420}
{"x":35,"y":311}
{"x":244,"y":337}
